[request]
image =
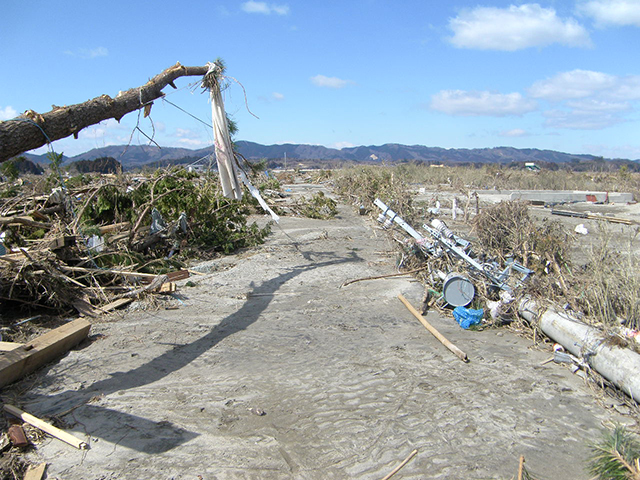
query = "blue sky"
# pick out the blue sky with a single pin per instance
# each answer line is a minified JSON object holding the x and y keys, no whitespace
{"x":561,"y":75}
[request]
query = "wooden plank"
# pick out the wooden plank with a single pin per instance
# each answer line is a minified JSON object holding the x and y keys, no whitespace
{"x":177,"y":275}
{"x":9,"y":346}
{"x":35,"y":473}
{"x":46,"y":427}
{"x":116,"y":304}
{"x":41,"y":350}
{"x":455,"y":350}
{"x":62,"y":241}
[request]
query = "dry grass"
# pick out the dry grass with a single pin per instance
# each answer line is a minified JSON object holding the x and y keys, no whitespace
{"x":606,"y":290}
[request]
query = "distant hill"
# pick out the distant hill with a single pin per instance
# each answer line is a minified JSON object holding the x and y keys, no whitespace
{"x":135,"y":156}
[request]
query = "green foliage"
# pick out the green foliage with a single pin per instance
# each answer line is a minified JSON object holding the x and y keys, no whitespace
{"x":615,"y":457}
{"x":112,"y":204}
{"x":78,"y":181}
{"x":215,"y":223}
{"x":9,"y":169}
{"x":319,"y":206}
{"x":98,"y":165}
{"x":55,"y":159}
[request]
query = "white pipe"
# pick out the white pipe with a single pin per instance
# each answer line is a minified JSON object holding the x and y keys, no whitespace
{"x":621,"y":366}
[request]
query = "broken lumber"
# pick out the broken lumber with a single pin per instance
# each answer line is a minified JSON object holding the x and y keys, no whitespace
{"x":35,"y":473}
{"x":589,"y":216}
{"x":114,"y":227}
{"x":32,"y":355}
{"x":455,"y":350}
{"x":46,"y":427}
{"x":115,"y":304}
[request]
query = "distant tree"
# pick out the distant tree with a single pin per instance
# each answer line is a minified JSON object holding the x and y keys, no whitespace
{"x":98,"y":165}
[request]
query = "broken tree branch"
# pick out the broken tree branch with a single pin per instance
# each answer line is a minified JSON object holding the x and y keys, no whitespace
{"x":377,"y":277}
{"x":402,"y":464}
{"x":28,"y":221}
{"x":32,"y":130}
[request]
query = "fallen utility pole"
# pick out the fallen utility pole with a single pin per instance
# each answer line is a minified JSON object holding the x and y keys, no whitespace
{"x":32,"y":130}
{"x":445,"y":239}
{"x":621,"y":366}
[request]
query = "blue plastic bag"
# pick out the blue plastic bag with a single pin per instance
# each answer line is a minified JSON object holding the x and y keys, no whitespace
{"x":467,"y":316}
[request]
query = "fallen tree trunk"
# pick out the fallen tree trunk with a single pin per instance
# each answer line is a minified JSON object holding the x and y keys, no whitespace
{"x":32,"y":130}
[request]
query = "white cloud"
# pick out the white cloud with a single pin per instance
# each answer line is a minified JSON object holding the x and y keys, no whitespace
{"x":277,"y":96}
{"x":106,"y":131}
{"x":573,"y":84}
{"x":617,"y":151}
{"x":265,"y":8}
{"x":576,"y":120}
{"x":612,"y":12}
{"x":189,"y":138}
{"x":88,"y":53}
{"x":594,"y":106}
{"x":329,"y":82}
{"x":586,"y":83}
{"x":587,"y":100}
{"x":515,"y":28}
{"x":192,"y":142}
{"x":341,"y":145}
{"x":8,"y":112}
{"x":460,"y":102}
{"x":516,"y":132}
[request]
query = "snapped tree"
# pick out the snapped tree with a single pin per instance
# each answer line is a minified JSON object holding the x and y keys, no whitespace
{"x":32,"y":130}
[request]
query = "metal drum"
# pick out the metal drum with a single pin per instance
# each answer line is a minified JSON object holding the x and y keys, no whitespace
{"x":457,"y":290}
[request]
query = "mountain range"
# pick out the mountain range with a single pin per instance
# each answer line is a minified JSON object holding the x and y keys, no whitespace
{"x":135,"y":156}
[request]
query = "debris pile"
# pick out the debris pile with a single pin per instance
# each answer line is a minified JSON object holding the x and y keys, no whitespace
{"x":97,"y":246}
{"x":453,"y":271}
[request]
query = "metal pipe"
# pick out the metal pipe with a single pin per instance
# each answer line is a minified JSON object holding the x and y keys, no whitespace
{"x":621,"y":366}
{"x":393,"y":217}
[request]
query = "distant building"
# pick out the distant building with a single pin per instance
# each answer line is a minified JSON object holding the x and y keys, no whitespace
{"x":532,"y":167}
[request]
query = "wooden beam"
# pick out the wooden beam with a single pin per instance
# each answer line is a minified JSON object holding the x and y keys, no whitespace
{"x":115,"y":304}
{"x":32,"y":355}
{"x":35,"y":473}
{"x":9,"y":346}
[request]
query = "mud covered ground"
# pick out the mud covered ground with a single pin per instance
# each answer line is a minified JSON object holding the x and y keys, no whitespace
{"x":348,"y":380}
